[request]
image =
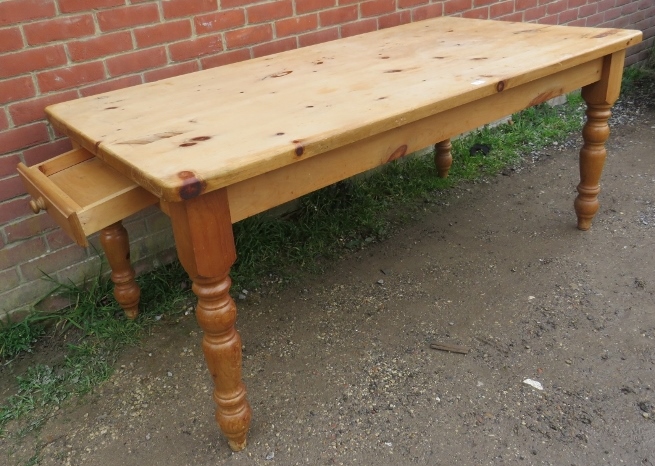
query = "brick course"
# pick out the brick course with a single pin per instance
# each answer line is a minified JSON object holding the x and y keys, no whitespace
{"x":56,"y":50}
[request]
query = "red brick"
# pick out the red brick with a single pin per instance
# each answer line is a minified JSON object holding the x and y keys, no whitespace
{"x":296,"y":25}
{"x":16,"y":208}
{"x":58,"y":239}
{"x":29,"y":227}
{"x":515,"y":17}
{"x":15,"y":89}
{"x":4,"y":119}
{"x":277,"y":46}
{"x":51,"y":30}
{"x":31,"y":110}
{"x":43,"y":152}
{"x":110,"y":85}
{"x":269,"y":11}
{"x":71,"y":76}
{"x":477,"y":13}
{"x":179,"y":8}
{"x":567,"y":16}
{"x":128,"y":16}
{"x":233,"y":3}
{"x":305,"y":6}
{"x":587,"y":10}
{"x":248,"y":36}
{"x":134,"y":62}
{"x":409,"y":3}
{"x":20,"y":11}
{"x":323,"y":35}
{"x":10,"y":39}
{"x":226,"y":58}
{"x":188,"y":49}
{"x":525,"y":4}
{"x":643,"y":4}
{"x":11,"y":187}
{"x":25,"y":136}
{"x":74,"y":6}
{"x":595,"y":20}
{"x":629,"y":8}
{"x":8,"y":165}
{"x":338,"y":15}
{"x":532,"y":14}
{"x":170,"y":71}
{"x":52,"y":262}
{"x":456,"y":6}
{"x":394,"y":19}
{"x":577,"y":3}
{"x":13,"y":254}
{"x":548,"y":20}
{"x":359,"y":27}
{"x":101,"y":46}
{"x":377,"y":7}
{"x":479,"y":3}
{"x":427,"y":11}
{"x":9,"y":279}
{"x":33,"y":59}
{"x":557,"y":7}
{"x":162,"y":33}
{"x":220,"y":21}
{"x":612,"y":14}
{"x":578,"y":23}
{"x":501,"y":9}
{"x":605,"y":5}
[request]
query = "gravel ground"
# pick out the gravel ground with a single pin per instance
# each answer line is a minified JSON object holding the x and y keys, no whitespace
{"x":340,"y":370}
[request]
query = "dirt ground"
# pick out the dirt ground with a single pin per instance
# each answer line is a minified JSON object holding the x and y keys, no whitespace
{"x":339,"y":368}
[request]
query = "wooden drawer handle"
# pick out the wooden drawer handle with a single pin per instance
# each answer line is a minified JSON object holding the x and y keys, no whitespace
{"x":37,"y":205}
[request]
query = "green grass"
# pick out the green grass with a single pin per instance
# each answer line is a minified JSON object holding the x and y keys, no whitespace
{"x":326,"y":224}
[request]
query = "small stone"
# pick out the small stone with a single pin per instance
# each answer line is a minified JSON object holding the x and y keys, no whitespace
{"x":380,"y":282}
{"x":270,"y":455}
{"x":569,"y":362}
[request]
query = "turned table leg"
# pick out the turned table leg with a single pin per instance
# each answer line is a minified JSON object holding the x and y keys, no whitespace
{"x":116,"y":244}
{"x":599,"y":97}
{"x":443,"y":158}
{"x":205,"y":246}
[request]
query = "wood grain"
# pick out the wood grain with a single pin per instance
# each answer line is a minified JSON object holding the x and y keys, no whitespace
{"x":183,"y":136}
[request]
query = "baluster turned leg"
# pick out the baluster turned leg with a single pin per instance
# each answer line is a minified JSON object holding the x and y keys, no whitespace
{"x":116,"y":244}
{"x":599,"y":97}
{"x":592,"y":158}
{"x":205,"y":246}
{"x":443,"y":158}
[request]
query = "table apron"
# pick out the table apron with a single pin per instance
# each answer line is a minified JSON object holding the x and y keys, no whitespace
{"x":260,"y":193}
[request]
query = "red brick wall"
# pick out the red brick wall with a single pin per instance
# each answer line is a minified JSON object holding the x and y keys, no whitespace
{"x":57,"y":50}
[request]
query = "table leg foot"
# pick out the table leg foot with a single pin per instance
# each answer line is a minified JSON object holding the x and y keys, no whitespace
{"x":592,"y":158}
{"x":116,"y":244}
{"x":216,"y":314}
{"x":443,"y":158}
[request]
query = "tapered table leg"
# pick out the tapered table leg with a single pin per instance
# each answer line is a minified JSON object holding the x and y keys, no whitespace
{"x":443,"y":158}
{"x":599,"y":97}
{"x":205,"y":246}
{"x":116,"y":244}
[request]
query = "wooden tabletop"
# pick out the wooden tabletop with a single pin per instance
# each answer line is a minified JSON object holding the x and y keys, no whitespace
{"x":199,"y":132}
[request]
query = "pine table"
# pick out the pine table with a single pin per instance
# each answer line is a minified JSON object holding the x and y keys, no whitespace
{"x":216,"y":146}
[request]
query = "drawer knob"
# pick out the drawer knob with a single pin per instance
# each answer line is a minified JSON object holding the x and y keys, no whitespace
{"x":37,"y":205}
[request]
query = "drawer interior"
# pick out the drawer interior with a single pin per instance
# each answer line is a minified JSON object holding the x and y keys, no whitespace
{"x":82,"y":193}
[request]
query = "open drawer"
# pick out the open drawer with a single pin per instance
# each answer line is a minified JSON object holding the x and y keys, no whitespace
{"x":82,"y":193}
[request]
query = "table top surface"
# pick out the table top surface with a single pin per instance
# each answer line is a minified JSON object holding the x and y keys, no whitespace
{"x":189,"y":134}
